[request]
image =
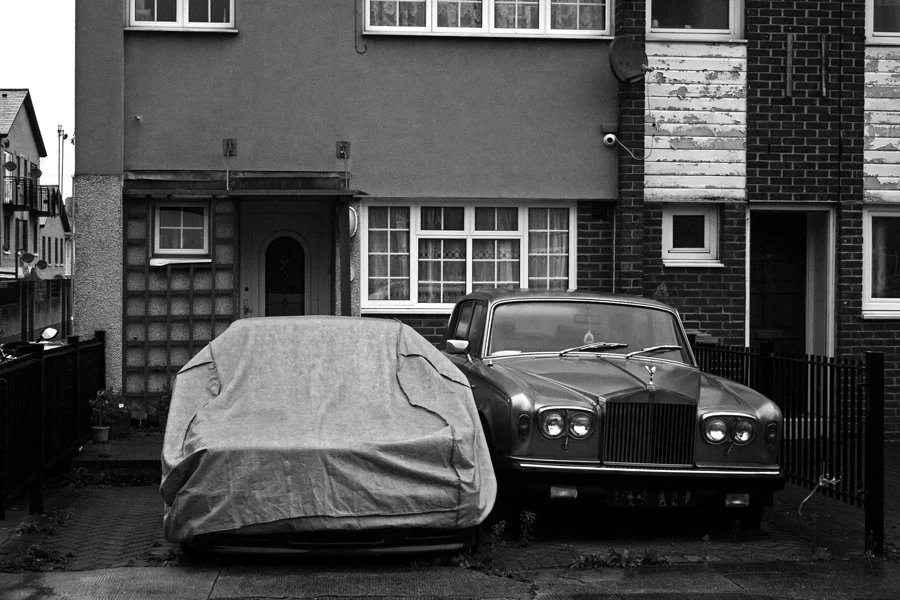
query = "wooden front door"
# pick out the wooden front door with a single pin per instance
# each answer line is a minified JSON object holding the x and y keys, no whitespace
{"x":286,"y":255}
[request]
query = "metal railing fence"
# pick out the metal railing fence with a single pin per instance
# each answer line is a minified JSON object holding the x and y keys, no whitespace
{"x":833,"y":409}
{"x":44,"y":412}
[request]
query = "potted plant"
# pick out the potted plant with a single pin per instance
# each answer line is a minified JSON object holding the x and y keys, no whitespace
{"x":104,"y":411}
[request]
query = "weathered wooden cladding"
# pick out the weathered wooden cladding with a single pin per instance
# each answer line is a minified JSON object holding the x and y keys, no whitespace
{"x":696,"y":122}
{"x":881,"y":154}
{"x":172,"y":311}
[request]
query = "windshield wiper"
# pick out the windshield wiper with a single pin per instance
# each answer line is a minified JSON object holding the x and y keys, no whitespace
{"x":594,"y":346}
{"x":652,"y":350}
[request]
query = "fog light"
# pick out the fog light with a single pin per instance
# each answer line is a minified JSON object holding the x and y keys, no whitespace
{"x":737,"y":500}
{"x":563,"y":492}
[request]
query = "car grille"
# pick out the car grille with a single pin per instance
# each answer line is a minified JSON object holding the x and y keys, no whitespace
{"x":641,"y":433}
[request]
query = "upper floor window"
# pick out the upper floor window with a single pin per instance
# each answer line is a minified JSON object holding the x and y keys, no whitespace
{"x":881,"y":263}
{"x":883,"y":21}
{"x":182,"y":14}
{"x":564,"y":18}
{"x":695,"y":19}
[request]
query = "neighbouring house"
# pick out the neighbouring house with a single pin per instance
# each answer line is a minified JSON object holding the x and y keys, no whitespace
{"x":35,"y":260}
{"x":383,"y":157}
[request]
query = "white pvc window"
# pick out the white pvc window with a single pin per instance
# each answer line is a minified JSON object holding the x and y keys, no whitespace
{"x":181,"y":14}
{"x":690,"y":236}
{"x":695,"y":19}
{"x":883,"y":21}
{"x":426,"y":256}
{"x":881,"y":263}
{"x":534,"y":18}
{"x":181,"y":230}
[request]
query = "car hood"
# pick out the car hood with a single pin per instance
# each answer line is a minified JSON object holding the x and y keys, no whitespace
{"x":593,"y":379}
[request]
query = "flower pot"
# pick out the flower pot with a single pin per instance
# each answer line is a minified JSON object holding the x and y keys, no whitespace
{"x":100,"y":433}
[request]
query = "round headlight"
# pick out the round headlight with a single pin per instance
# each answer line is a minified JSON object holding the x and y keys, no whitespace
{"x":553,"y":424}
{"x":715,"y":430}
{"x":743,"y":431}
{"x":580,"y":425}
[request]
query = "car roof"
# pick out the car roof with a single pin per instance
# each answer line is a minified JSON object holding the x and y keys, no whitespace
{"x":493,"y":296}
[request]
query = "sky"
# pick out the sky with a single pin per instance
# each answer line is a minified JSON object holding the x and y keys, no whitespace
{"x":38,"y":41}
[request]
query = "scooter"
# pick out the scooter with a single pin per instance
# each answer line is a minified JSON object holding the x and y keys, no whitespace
{"x":12,"y":350}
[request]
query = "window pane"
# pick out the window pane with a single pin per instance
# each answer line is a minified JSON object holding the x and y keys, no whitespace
{"x":192,"y":217}
{"x":688,"y":231}
{"x":192,"y":239}
{"x":459,"y":14}
{"x":209,"y":11}
{"x":169,"y":217}
{"x":378,"y":241}
{"x":400,"y":217}
{"x":886,"y":257}
{"x":517,"y":14}
{"x":496,"y":219}
{"x":169,"y":239}
{"x":397,"y":13}
{"x":690,"y":14}
{"x":198,"y":11}
{"x":583,"y":15}
{"x":378,"y":217}
{"x":378,"y":265}
{"x":400,"y":241}
{"x":156,"y":10}
{"x":887,"y":16}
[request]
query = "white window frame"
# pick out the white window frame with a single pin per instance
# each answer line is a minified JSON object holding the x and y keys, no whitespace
{"x":181,"y":22}
{"x":876,"y":308}
{"x":468,"y":233}
{"x":875,"y":37}
{"x":735,"y":26}
{"x":708,"y":255}
{"x":190,"y":253}
{"x":488,"y":27}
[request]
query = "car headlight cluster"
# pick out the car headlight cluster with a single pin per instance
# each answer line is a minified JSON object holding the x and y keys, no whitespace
{"x":574,"y":423}
{"x":739,"y":430}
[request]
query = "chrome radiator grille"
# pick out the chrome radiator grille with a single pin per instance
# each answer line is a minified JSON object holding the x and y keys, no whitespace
{"x":649,"y":434}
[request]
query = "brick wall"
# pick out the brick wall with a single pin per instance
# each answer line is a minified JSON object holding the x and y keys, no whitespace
{"x":431,"y":327}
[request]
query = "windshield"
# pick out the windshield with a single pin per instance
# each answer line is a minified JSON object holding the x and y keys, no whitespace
{"x":553,"y":326}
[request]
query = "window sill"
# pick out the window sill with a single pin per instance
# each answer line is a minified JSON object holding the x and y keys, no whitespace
{"x":705,"y":264}
{"x":885,"y":41}
{"x":886,"y":314}
{"x":489,"y":34}
{"x":162,"y":262}
{"x":158,"y":28}
{"x":693,"y":38}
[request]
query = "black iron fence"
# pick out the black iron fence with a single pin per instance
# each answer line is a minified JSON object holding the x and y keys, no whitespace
{"x":833,"y":411}
{"x":44,"y":412}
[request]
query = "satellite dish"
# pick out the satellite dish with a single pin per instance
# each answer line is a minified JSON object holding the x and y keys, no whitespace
{"x":628,"y":59}
{"x":36,"y":172}
{"x":9,"y":166}
{"x":41,"y":264}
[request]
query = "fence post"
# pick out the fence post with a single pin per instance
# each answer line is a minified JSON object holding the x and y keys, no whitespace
{"x":36,"y":493}
{"x":874,"y":448}
{"x":4,"y":461}
{"x":765,"y":373}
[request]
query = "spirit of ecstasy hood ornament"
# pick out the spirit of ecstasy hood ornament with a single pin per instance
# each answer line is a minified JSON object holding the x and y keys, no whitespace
{"x":650,"y":385}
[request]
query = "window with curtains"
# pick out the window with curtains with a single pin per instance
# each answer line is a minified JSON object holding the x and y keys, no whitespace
{"x":534,"y":18}
{"x":181,"y":14}
{"x":883,"y":21}
{"x":181,"y":229}
{"x":427,"y":255}
{"x":881,"y":263}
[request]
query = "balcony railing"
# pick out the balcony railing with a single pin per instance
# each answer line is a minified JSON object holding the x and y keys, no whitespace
{"x":22,"y":193}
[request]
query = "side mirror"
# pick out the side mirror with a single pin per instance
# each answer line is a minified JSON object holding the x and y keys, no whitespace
{"x":457,"y":346}
{"x":48,"y":334}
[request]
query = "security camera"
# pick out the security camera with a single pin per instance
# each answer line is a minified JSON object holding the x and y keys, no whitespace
{"x":610,"y":139}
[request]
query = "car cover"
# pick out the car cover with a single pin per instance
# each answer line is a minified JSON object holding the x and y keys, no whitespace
{"x":290,"y":424}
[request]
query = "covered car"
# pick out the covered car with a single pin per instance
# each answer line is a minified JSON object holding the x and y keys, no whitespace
{"x":582,"y":392}
{"x":313,"y":433}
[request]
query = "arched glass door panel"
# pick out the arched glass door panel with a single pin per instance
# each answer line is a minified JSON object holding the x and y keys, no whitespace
{"x":285,"y":278}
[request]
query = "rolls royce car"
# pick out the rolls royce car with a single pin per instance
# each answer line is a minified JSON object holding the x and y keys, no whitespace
{"x":323,"y":435}
{"x":581,"y":393}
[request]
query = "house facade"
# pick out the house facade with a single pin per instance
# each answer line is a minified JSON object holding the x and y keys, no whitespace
{"x":384,"y":157}
{"x":35,"y":231}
